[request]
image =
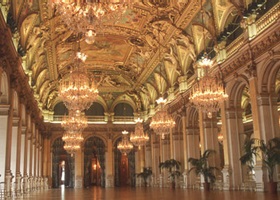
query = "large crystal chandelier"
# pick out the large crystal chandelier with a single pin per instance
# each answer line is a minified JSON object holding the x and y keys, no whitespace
{"x":162,"y":122}
{"x":76,"y":121}
{"x":125,"y":146}
{"x":138,"y":137}
{"x":72,"y":141}
{"x":208,"y":93}
{"x":72,"y":137}
{"x":84,"y":16}
{"x":77,"y":90}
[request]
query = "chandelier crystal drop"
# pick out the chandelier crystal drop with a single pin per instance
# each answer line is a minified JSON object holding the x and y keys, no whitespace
{"x":79,"y":15}
{"x":125,"y":146}
{"x":208,"y":93}
{"x":77,"y":90}
{"x":76,"y":121}
{"x":162,"y":122}
{"x":138,"y":137}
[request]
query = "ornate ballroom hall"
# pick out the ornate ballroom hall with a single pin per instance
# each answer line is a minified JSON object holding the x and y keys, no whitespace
{"x":95,"y":92}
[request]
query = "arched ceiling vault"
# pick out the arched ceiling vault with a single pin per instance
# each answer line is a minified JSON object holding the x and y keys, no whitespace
{"x":141,"y":55}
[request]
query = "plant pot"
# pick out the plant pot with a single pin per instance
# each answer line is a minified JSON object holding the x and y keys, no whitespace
{"x":272,"y":187}
{"x":206,"y":186}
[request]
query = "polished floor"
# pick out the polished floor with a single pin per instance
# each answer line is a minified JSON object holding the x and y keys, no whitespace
{"x":97,"y":193}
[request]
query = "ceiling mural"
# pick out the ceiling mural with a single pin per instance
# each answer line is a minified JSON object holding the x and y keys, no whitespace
{"x":142,"y":55}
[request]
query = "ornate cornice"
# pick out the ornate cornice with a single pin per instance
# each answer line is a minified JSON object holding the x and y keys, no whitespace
{"x":18,"y":78}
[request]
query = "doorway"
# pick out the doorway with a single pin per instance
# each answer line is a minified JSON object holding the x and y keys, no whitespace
{"x":94,"y":162}
{"x":124,"y":171}
{"x":124,"y":167}
{"x":62,"y":166}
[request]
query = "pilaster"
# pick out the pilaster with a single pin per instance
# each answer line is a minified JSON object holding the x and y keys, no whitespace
{"x":4,"y":109}
{"x":193,"y":151}
{"x":78,"y":170}
{"x":234,"y":134}
{"x":109,"y":164}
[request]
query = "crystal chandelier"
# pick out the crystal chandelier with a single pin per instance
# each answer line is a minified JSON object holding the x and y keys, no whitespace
{"x":84,"y":16}
{"x":138,"y":137}
{"x":76,"y":121}
{"x":77,"y":90}
{"x":125,"y":145}
{"x":162,"y":122}
{"x":208,"y":93}
{"x":72,"y":137}
{"x":72,"y":141}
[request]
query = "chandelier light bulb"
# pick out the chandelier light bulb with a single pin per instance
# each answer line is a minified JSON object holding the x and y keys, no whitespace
{"x":205,"y":61}
{"x":90,"y":36}
{"x":81,"y":56}
{"x":209,"y":115}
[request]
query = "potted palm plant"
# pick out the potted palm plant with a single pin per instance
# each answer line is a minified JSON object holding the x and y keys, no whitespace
{"x":173,"y":167}
{"x":250,"y":152}
{"x":201,"y":167}
{"x":271,"y":158}
{"x":145,"y":174}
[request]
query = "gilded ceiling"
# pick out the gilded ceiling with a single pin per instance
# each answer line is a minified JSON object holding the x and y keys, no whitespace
{"x":142,"y":55}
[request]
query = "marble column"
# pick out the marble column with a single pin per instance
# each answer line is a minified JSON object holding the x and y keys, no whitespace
{"x":78,"y":169}
{"x":185,"y":151}
{"x":22,"y":156}
{"x":4,"y":109}
{"x":18,"y":153}
{"x":46,"y":161}
{"x":109,"y":173}
{"x":226,"y":171}
{"x":258,"y":133}
{"x":8,"y":172}
{"x":148,"y":156}
{"x":156,"y":159}
{"x":210,"y":135}
{"x":171,"y":145}
{"x":234,"y":132}
{"x":193,"y":151}
{"x":269,"y":123}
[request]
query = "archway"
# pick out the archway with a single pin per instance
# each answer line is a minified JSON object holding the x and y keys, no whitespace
{"x":63,"y":168}
{"x":124,"y":167}
{"x":94,"y":162}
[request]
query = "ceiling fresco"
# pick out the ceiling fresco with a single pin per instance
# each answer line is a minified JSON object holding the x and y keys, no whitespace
{"x":143,"y":54}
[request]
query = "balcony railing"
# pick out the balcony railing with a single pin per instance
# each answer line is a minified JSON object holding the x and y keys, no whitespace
{"x":102,"y":119}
